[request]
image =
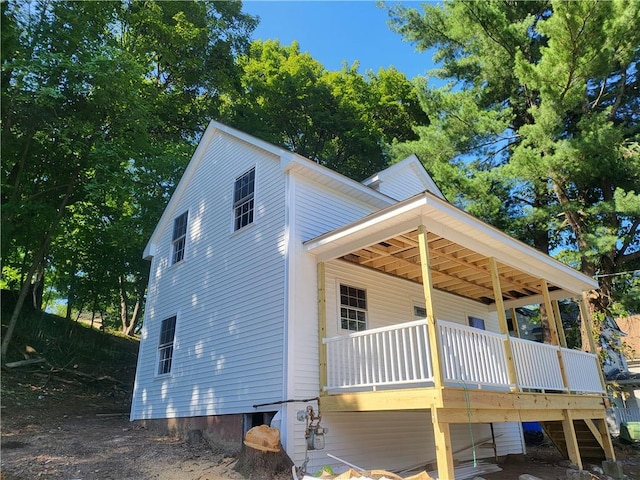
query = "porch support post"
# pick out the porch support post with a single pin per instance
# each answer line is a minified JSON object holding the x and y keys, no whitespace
{"x":322,"y":325}
{"x":559,"y":325}
{"x":586,"y":319}
{"x":570,"y":439}
{"x":549,"y":309}
{"x":514,"y":320}
{"x":607,"y":445}
{"x":502,"y":320}
{"x":432,"y":330}
{"x":588,"y":324}
{"x":444,"y":455}
{"x":551,"y":320}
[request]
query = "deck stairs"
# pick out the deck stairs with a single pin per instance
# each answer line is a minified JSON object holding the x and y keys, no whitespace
{"x":587,"y":436}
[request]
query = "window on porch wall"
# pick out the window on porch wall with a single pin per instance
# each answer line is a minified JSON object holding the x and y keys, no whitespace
{"x":353,"y":308}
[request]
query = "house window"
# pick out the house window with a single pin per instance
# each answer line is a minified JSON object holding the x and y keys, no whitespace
{"x":476,"y":322}
{"x":179,"y":237}
{"x":165,"y":347}
{"x":353,"y":308}
{"x":243,"y":199}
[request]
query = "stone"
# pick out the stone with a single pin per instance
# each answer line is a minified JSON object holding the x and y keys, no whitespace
{"x":578,"y":475}
{"x":526,"y":476}
{"x":613,"y":469}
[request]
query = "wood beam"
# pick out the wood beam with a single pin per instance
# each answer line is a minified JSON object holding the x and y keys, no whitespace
{"x":456,"y":405}
{"x":588,"y":324}
{"x":377,"y":257}
{"x":486,"y":399}
{"x":438,"y":251}
{"x":607,"y":444}
{"x":559,"y":325}
{"x":381,"y":400}
{"x":544,"y":287}
{"x":514,"y":320}
{"x":502,"y":320}
{"x":594,"y":431}
{"x":432,"y":323}
{"x":444,"y":455}
{"x":573,"y":451}
{"x":322,"y":323}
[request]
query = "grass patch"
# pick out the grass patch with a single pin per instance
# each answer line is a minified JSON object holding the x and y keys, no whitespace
{"x":69,"y":344}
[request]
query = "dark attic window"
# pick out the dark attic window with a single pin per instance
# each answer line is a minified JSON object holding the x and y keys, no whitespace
{"x":179,"y":237}
{"x":243,"y":199}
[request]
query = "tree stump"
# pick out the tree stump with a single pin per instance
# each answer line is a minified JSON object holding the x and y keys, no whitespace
{"x":262,"y":465}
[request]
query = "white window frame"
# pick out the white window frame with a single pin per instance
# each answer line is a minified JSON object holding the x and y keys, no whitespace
{"x":179,"y":242}
{"x":350,"y":308}
{"x":244,"y":206}
{"x":166,"y":348}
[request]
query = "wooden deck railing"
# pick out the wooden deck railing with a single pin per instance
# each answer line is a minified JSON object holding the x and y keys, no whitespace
{"x":537,"y":365}
{"x":399,"y":355}
{"x":379,"y":357}
{"x":582,"y":371}
{"x":472,"y":356}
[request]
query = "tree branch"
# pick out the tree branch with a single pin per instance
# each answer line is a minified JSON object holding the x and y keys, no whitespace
{"x":627,"y":242}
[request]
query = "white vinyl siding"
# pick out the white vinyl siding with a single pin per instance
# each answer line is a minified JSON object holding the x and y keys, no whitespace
{"x":364,"y":439}
{"x":401,"y":184}
{"x":229,"y":349}
{"x":317,"y":210}
{"x":391,"y":300}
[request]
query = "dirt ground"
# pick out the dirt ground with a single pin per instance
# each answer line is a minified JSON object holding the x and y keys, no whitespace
{"x":59,"y":429}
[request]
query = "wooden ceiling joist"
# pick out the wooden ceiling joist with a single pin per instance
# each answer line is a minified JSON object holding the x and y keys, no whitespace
{"x":455,"y":268}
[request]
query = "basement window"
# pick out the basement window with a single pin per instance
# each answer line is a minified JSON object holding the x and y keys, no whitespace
{"x":353,"y":308}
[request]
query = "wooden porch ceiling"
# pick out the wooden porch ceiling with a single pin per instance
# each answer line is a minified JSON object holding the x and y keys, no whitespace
{"x":454,"y":268}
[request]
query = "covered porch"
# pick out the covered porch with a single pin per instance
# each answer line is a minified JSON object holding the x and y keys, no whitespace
{"x":461,"y":373}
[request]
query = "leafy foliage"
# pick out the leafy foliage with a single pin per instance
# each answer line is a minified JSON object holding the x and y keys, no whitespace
{"x":101,"y":105}
{"x":341,"y":119}
{"x":540,"y":114}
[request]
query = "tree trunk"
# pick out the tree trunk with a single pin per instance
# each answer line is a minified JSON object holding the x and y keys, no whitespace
{"x":37,"y":261}
{"x":69,"y":304}
{"x":24,"y":290}
{"x":130,"y":328}
{"x":124,"y":307}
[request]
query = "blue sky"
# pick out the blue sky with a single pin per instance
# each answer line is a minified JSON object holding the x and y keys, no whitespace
{"x":337,"y":31}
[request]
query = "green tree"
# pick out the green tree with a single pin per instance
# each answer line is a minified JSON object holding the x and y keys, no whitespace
{"x":93,"y":93}
{"x":537,"y":128}
{"x":341,"y":119}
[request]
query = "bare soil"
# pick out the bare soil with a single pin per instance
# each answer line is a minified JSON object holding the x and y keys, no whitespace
{"x":55,"y":426}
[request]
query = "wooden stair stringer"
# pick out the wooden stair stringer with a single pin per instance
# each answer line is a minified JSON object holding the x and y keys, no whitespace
{"x":587,"y":435}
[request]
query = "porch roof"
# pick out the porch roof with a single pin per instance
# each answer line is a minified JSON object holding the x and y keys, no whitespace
{"x":460,"y":247}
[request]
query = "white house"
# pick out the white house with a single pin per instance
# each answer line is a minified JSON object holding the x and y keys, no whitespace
{"x":280,"y":288}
